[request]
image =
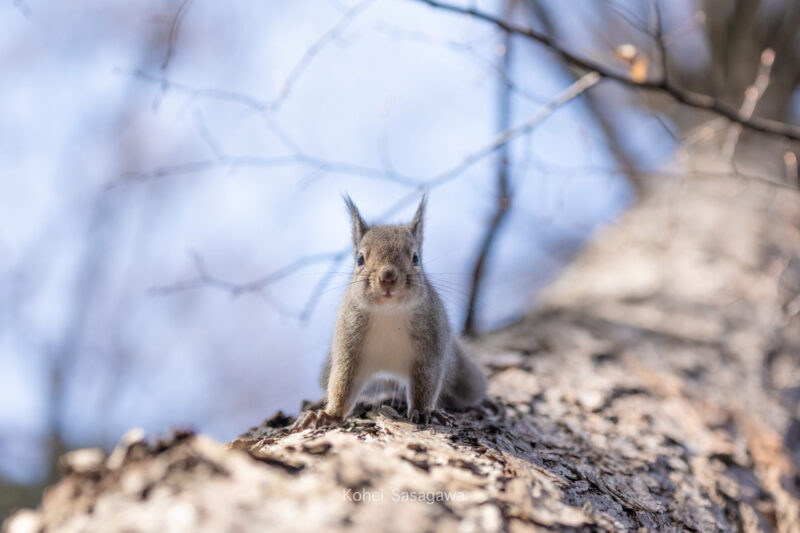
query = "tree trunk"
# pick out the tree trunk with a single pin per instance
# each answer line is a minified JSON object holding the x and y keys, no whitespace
{"x":654,"y":389}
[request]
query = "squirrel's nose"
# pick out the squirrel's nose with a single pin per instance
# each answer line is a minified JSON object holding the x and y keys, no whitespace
{"x":388,"y":276}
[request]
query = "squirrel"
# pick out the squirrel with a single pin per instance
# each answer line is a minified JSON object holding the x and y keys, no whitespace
{"x":392,"y":322}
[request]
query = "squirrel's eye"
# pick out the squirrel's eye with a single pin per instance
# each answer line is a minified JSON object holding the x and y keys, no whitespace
{"x":360,"y":260}
{"x":415,"y":259}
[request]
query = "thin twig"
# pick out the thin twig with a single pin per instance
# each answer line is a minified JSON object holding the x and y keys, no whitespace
{"x":262,"y":107}
{"x":553,"y":169}
{"x":321,"y":285}
{"x":467,"y":49}
{"x":501,"y":140}
{"x":752,"y":95}
{"x":630,"y":17}
{"x":503,"y":193}
{"x":790,"y":166}
{"x":206,"y":94}
{"x":173,"y":31}
{"x":204,"y":279}
{"x":248,"y":161}
{"x":23,"y":7}
{"x":571,"y":92}
{"x":207,"y":137}
{"x":315,"y":49}
{"x":697,"y":19}
{"x":658,"y":37}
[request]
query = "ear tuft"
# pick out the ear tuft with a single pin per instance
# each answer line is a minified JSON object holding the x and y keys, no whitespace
{"x":416,"y":223}
{"x":359,"y":227}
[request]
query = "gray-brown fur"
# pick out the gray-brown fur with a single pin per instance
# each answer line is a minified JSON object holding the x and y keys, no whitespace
{"x":390,"y":294}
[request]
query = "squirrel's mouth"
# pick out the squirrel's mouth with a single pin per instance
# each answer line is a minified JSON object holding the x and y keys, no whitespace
{"x":388,"y":297}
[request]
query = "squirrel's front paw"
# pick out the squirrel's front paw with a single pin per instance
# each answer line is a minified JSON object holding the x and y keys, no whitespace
{"x":315,"y":419}
{"x":426,"y":416}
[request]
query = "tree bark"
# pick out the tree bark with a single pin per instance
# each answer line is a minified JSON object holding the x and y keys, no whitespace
{"x":655,"y":388}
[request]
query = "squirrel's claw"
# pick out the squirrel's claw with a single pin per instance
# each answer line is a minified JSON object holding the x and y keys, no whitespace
{"x":314,"y":419}
{"x":426,"y":416}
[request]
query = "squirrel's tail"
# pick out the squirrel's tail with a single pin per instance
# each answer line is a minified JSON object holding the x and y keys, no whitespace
{"x":466,"y":385}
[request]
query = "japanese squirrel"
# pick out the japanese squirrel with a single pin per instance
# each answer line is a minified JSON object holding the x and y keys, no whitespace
{"x":392,"y":323}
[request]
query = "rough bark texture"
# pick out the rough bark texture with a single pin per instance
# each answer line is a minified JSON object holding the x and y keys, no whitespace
{"x":655,"y":389}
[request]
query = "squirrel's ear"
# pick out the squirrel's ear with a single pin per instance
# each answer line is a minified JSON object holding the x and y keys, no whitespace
{"x":416,"y":223}
{"x":359,"y":227}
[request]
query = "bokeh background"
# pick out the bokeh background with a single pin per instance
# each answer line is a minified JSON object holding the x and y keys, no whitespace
{"x":173,"y":243}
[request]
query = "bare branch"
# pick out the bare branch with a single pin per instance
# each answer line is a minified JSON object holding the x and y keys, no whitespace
{"x":209,"y":139}
{"x":656,"y":115}
{"x":315,"y":48}
{"x":752,"y":95}
{"x":626,"y":14}
{"x":247,"y":161}
{"x":568,"y":94}
{"x":222,"y":95}
{"x":23,"y":7}
{"x":249,"y":101}
{"x":790,"y":164}
{"x":204,"y":279}
{"x":173,"y":31}
{"x":205,"y":94}
{"x":503,"y":192}
{"x":698,"y":19}
{"x":658,"y":37}
{"x":584,"y":170}
{"x":322,"y":284}
{"x":705,"y":131}
{"x":660,"y":85}
{"x":464,"y":48}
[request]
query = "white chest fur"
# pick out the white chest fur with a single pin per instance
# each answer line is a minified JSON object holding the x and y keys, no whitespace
{"x":388,"y":349}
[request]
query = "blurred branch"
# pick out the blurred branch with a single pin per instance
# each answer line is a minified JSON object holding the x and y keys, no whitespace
{"x":658,"y":37}
{"x":206,"y":94}
{"x":173,"y":31}
{"x":790,"y":167}
{"x":315,"y":48}
{"x":248,"y":161}
{"x":208,"y":138}
{"x":751,"y":97}
{"x":626,"y":14}
{"x":222,"y":95}
{"x":736,"y":173}
{"x":503,"y":192}
{"x":204,"y":279}
{"x":322,"y":284}
{"x":258,"y":286}
{"x":23,"y":7}
{"x":697,"y":19}
{"x":255,"y":103}
{"x":661,"y":85}
{"x":602,"y":109}
{"x":298,"y":158}
{"x":464,"y":48}
{"x":571,"y":92}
